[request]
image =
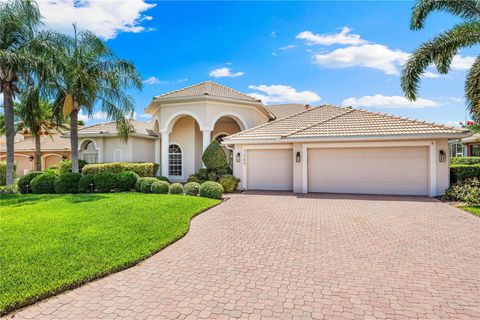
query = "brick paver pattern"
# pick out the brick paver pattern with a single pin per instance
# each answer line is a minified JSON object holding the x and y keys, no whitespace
{"x":283,"y":256}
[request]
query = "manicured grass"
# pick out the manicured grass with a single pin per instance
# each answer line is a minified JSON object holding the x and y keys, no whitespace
{"x":475,"y":210}
{"x":49,"y":243}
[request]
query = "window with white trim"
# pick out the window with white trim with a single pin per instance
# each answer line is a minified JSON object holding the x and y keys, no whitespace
{"x":457,"y":150}
{"x":175,"y":161}
{"x":89,"y":152}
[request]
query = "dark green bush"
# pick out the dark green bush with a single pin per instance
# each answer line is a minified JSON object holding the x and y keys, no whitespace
{"x":228,"y":182}
{"x":460,"y":172}
{"x":211,"y":190}
{"x":126,"y":180}
{"x":212,"y":176}
{"x":43,"y":183}
{"x":192,"y":188}
{"x":143,"y":169}
{"x":67,"y":182}
{"x":160,"y":187}
{"x":84,"y":183}
{"x":464,"y":191}
{"x":162,"y":178}
{"x":66,"y":166}
{"x":105,"y":182}
{"x":193,"y":178}
{"x":203,"y":174}
{"x":214,"y":157}
{"x":24,"y":182}
{"x":465,"y":160}
{"x":175,"y":188}
{"x":146,"y":184}
{"x":3,"y":172}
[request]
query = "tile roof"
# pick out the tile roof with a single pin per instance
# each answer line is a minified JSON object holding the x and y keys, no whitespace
{"x":328,"y":121}
{"x":53,"y":142}
{"x":209,"y":88}
{"x":140,"y":127}
{"x":284,"y":110}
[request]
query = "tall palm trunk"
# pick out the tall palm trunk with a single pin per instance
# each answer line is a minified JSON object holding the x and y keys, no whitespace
{"x":74,"y":138}
{"x":7,"y":88}
{"x":38,"y":153}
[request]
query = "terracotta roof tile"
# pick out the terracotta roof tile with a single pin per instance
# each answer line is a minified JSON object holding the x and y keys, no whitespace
{"x":111,"y":127}
{"x":53,"y":142}
{"x":285,"y":110}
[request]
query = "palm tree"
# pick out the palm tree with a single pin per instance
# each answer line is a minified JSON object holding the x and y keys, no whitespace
{"x":19,"y":20}
{"x":89,"y":74}
{"x":441,"y":50}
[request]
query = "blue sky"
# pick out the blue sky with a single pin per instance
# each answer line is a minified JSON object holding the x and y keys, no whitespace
{"x":344,"y":53}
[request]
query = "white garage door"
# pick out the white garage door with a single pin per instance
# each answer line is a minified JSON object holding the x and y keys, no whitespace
{"x":270,"y":169}
{"x":397,"y":170}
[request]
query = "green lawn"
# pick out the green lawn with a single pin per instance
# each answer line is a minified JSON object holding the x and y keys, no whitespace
{"x":52,"y":242}
{"x":475,"y":210}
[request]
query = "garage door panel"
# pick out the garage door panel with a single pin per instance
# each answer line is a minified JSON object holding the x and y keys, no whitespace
{"x":270,"y":169}
{"x":400,"y":170}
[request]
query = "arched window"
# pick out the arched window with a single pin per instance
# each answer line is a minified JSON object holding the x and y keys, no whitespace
{"x":175,"y":161}
{"x":89,"y":152}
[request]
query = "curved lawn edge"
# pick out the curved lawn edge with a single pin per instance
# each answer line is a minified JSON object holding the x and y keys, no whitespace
{"x":11,"y":310}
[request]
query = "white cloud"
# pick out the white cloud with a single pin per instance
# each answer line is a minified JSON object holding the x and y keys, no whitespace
{"x":429,"y":74}
{"x":462,"y":63}
{"x":273,"y":34}
{"x":99,"y":115}
{"x":145,"y":116}
{"x":283,"y":94}
{"x":106,"y":18}
{"x":344,"y":37}
{"x":225,"y":72}
{"x":374,"y":56}
{"x":455,"y":124}
{"x":381,"y":101}
{"x":289,"y":47}
{"x":151,"y":80}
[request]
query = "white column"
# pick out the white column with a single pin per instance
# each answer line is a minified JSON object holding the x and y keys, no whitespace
{"x":207,"y":136}
{"x":432,"y":192}
{"x":165,"y":144}
{"x":157,"y":154}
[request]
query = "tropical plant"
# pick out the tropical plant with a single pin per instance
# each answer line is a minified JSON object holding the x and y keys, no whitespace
{"x":441,"y":50}
{"x":89,"y":74}
{"x":19,"y":57}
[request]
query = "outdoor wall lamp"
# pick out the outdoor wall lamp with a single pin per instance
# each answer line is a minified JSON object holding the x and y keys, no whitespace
{"x":442,"y":156}
{"x":31,"y":158}
{"x":237,"y":157}
{"x":64,"y":157}
{"x":297,"y":157}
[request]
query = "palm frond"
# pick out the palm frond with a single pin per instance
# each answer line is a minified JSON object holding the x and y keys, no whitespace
{"x":472,"y":89}
{"x":465,"y":9}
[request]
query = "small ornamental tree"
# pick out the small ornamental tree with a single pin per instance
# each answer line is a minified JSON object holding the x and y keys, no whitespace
{"x":214,"y":157}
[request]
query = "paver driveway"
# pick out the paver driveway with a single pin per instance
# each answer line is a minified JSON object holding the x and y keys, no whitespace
{"x":281,"y":256}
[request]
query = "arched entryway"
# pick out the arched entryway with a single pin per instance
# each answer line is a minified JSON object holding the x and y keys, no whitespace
{"x":225,"y":126}
{"x":51,"y":159}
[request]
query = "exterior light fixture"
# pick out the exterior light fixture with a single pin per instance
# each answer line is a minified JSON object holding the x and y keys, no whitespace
{"x":31,"y":158}
{"x":237,"y":157}
{"x":297,"y":157}
{"x":91,"y":187}
{"x":442,"y":156}
{"x":64,"y":157}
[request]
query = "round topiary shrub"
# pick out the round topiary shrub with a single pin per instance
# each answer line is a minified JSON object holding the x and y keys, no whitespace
{"x":203,"y":174}
{"x":214,"y":157}
{"x":105,"y":181}
{"x":43,"y":183}
{"x":162,"y":178}
{"x":212,"y":190}
{"x":66,"y":166}
{"x":160,"y":187}
{"x":193,"y":178}
{"x":126,"y":180}
{"x":67,"y":182}
{"x":192,"y":188}
{"x":212,"y":176}
{"x":84,"y":183}
{"x":228,"y":182}
{"x":175,"y":188}
{"x":146,"y":184}
{"x":24,"y":182}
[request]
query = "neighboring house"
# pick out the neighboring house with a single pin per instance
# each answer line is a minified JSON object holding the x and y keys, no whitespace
{"x":466,"y":147}
{"x":54,"y":149}
{"x":282,"y":147}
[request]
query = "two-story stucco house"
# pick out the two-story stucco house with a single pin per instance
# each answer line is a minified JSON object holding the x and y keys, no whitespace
{"x":282,"y":147}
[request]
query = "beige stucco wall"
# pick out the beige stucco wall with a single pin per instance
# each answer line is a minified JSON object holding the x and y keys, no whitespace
{"x":185,"y":134}
{"x":143,"y":150}
{"x":442,"y":175}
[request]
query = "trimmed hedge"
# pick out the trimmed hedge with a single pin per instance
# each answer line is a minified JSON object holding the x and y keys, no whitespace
{"x":146,"y":169}
{"x":105,"y":181}
{"x":175,"y":188}
{"x":67,"y":182}
{"x":127,"y":180}
{"x":163,"y":179}
{"x":84,"y":183}
{"x":212,"y":190}
{"x":66,"y":166}
{"x":214,"y":157}
{"x":24,"y":182}
{"x":160,"y":187}
{"x":43,"y":183}
{"x":464,"y":191}
{"x":146,"y":184}
{"x":461,"y":172}
{"x":465,"y":160}
{"x":192,"y":188}
{"x":229,"y":183}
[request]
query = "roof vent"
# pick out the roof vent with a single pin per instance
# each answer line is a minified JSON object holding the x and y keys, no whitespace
{"x":307,"y":106}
